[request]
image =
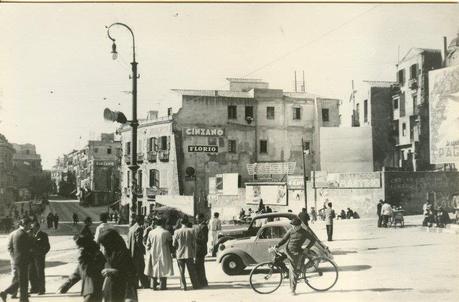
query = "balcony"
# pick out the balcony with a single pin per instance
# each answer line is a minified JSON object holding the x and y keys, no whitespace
{"x":127,"y":158}
{"x":395,"y":90}
{"x":413,"y":84}
{"x":140,"y":157}
{"x":152,"y":156}
{"x":127,"y":192}
{"x":164,"y":155}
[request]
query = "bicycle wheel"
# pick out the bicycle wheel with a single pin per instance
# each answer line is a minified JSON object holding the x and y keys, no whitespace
{"x":324,"y":276}
{"x":266,"y":278}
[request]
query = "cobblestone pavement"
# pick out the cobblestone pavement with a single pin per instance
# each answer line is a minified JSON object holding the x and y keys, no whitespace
{"x":402,"y":264}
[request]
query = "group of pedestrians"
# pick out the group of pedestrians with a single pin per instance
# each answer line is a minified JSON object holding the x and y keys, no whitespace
{"x":52,"y":220}
{"x":27,"y":246}
{"x":153,"y":246}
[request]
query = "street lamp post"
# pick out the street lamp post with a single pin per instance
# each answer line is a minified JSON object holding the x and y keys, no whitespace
{"x":134,"y":122}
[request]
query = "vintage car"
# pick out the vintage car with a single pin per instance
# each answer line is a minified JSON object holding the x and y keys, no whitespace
{"x":236,"y":254}
{"x":252,"y":229}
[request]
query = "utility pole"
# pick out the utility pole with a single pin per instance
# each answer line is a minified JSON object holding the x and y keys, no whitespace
{"x":305,"y":150}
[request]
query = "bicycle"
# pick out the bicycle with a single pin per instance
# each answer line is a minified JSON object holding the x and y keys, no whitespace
{"x":319,"y":272}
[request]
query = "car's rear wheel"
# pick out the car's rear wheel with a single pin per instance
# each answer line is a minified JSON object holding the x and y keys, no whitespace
{"x":232,"y":265}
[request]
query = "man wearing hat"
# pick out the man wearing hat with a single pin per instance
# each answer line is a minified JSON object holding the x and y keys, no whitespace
{"x":295,"y":238}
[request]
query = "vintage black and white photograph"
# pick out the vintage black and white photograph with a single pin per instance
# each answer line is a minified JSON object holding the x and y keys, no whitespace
{"x":235,"y":152}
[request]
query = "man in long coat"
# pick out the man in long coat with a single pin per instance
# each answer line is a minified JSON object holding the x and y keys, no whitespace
{"x":202,"y":232}
{"x":37,"y":265}
{"x":158,"y":256}
{"x":137,"y":250}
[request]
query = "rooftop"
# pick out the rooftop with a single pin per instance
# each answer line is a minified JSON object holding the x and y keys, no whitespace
{"x":379,"y":83}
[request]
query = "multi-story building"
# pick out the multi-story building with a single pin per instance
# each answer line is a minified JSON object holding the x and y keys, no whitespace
{"x":92,"y":172}
{"x":8,"y":189}
{"x":373,"y":108}
{"x":27,"y":166}
{"x":410,"y":104}
{"x":221,"y":131}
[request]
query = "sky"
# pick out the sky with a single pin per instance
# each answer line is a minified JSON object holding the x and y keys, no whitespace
{"x":57,"y":74}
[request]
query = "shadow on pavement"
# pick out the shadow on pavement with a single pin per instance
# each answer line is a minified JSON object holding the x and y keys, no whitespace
{"x":338,"y":253}
{"x":5,"y":266}
{"x":358,"y":239}
{"x":379,"y":289}
{"x":353,"y":268}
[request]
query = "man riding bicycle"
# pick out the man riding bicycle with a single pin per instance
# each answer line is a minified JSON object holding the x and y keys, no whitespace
{"x":295,"y":238}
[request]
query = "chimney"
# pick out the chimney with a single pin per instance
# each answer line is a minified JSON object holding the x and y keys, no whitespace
{"x":445,"y":51}
{"x":152,"y":115}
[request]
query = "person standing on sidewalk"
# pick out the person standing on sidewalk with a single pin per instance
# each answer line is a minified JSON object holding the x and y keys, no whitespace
{"x":329,"y":216}
{"x":19,"y":247}
{"x":185,"y":245}
{"x":55,"y":221}
{"x":378,"y":211}
{"x":202,"y":236}
{"x":386,"y":212}
{"x":159,"y":257}
{"x":137,"y":250}
{"x":37,"y":265}
{"x":215,"y":225}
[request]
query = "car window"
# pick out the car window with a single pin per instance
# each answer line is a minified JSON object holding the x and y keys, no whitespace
{"x":278,"y":232}
{"x":266,"y":233}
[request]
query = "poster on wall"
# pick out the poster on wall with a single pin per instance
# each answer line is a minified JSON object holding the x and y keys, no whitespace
{"x":444,"y":115}
{"x":271,"y":193}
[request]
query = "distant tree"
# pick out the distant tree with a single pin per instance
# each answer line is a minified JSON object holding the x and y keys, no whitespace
{"x":40,"y":185}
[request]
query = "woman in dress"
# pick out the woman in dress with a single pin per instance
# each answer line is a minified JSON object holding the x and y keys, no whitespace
{"x":119,"y":272}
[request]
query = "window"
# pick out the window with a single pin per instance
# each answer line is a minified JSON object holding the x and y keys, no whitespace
{"x":297,"y":113}
{"x":263,"y":146}
{"x":154,"y":178}
{"x":139,"y":180}
{"x":152,"y":144}
{"x":325,"y":116}
{"x":96,"y":150}
{"x":401,"y":77}
{"x":169,"y":111}
{"x":232,"y":146}
{"x":272,"y":233}
{"x":270,"y":113}
{"x":128,"y":178}
{"x":306,"y":148}
{"x":415,"y":103}
{"x":402,"y":105}
{"x":404,"y":129}
{"x":127,"y":150}
{"x":414,"y":71}
{"x":248,"y":111}
{"x":395,"y":104}
{"x":164,"y":143}
{"x":212,"y":141}
{"x":365,"y":111}
{"x":109,"y":151}
{"x":232,"y":112}
{"x":221,"y":142}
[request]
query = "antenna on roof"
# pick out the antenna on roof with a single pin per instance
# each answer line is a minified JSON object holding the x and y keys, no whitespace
{"x":398,"y":55}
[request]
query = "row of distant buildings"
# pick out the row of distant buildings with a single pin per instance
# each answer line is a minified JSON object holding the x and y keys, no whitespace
{"x":21,"y":173}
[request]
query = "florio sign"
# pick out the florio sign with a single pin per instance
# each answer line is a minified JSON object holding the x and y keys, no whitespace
{"x":210,"y":149}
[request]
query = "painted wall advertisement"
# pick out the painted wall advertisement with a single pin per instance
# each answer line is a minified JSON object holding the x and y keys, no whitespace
{"x":271,"y":193}
{"x":444,"y":115}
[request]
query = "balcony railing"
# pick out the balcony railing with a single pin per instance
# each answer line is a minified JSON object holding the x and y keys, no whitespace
{"x":152,"y":156}
{"x":164,"y":155}
{"x":140,"y":157}
{"x":413,"y":84}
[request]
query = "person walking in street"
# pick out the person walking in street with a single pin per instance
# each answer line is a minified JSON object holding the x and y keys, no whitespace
{"x":215,"y":225}
{"x":90,"y":264}
{"x":137,"y":250}
{"x":386,"y":212}
{"x":295,"y":238}
{"x":40,"y":248}
{"x":102,"y":226}
{"x":329,"y":214}
{"x":428,"y":212}
{"x":19,"y":247}
{"x":313,"y":215}
{"x":75,"y":218}
{"x":185,"y":244}
{"x":119,"y":272}
{"x":378,"y":212}
{"x":86,"y":230}
{"x":158,"y":262}
{"x":304,"y":216}
{"x":202,"y":236}
{"x":49,"y":220}
{"x":56,"y":221}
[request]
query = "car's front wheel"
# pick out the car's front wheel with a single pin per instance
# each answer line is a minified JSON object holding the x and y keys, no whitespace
{"x":232,"y":265}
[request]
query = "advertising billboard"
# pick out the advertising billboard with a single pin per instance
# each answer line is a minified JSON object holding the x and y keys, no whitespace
{"x":272,"y":193}
{"x":444,"y":115}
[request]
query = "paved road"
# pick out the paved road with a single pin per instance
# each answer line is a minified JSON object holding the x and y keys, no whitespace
{"x":66,"y":208}
{"x":375,"y":265}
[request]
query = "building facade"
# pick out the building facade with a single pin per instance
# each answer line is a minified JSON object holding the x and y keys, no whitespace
{"x":8,"y":189}
{"x":373,"y":108}
{"x":27,"y":168}
{"x":410,"y":105}
{"x":222,"y":131}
